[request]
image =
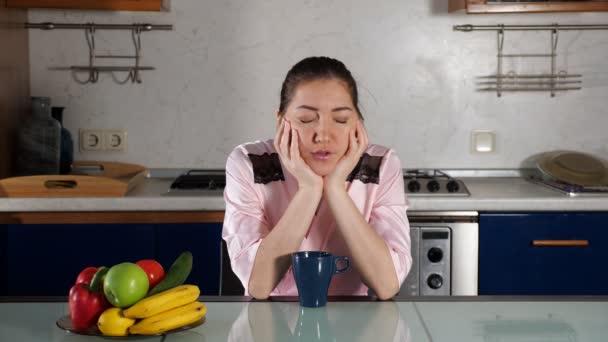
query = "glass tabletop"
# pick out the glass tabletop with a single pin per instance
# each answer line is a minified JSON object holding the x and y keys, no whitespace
{"x":584,"y":319}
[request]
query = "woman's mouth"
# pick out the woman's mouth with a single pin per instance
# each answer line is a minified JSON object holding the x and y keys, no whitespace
{"x":321,"y":155}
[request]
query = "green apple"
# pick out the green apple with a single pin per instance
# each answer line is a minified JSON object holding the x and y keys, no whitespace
{"x":125,"y":284}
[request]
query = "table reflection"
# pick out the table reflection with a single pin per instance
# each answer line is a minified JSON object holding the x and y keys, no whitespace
{"x":530,"y":330}
{"x":338,"y":321}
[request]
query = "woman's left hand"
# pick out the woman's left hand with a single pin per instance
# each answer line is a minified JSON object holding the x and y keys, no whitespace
{"x":357,"y":144}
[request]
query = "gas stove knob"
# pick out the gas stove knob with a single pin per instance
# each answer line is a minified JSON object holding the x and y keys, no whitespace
{"x":435,"y":254}
{"x":435,"y":281}
{"x":413,"y":186}
{"x":433,"y":186}
{"x":453,"y":186}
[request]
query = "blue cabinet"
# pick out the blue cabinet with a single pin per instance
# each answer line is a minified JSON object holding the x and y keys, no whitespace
{"x":204,"y":241}
{"x":38,"y":260}
{"x":45,"y":259}
{"x":511,"y":263}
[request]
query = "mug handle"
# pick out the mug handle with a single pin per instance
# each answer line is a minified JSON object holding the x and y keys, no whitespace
{"x":345,"y":268}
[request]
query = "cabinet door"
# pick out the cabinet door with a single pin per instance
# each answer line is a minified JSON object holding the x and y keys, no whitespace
{"x":510,"y":6}
{"x":44,"y":260}
{"x":204,"y":241}
{"x":130,"y":5}
{"x":3,"y":259}
{"x":510,"y":264}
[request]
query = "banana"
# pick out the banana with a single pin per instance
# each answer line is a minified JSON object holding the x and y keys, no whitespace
{"x":163,"y":301}
{"x":177,"y":274}
{"x":170,"y":320}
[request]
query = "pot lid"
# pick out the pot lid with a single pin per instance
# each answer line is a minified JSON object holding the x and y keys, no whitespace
{"x":574,"y":168}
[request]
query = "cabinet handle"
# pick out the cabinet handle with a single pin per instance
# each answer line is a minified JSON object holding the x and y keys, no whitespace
{"x":560,"y":243}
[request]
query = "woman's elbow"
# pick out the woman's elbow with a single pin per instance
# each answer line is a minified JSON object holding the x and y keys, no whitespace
{"x":258,"y":292}
{"x":387,"y":291}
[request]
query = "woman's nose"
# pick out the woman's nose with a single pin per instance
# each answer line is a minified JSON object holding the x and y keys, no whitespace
{"x":321,"y":133}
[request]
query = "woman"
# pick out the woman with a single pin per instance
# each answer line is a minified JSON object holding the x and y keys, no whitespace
{"x":317,"y":186}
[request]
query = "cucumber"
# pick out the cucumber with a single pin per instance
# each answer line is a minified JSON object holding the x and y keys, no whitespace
{"x":97,"y":280}
{"x":177,"y":274}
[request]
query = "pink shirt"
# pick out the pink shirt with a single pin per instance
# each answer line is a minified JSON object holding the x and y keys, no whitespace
{"x":258,"y":191}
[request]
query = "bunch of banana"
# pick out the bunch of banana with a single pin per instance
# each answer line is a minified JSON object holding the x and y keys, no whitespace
{"x":166,"y":310}
{"x":169,"y":320}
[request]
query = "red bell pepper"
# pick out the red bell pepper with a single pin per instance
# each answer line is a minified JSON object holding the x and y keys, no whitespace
{"x":87,"y":302}
{"x":85,"y":276}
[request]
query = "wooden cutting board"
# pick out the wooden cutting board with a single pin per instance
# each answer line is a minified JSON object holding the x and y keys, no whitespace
{"x":89,"y":179}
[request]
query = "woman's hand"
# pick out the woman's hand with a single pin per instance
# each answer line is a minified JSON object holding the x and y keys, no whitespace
{"x":357,"y":144}
{"x":287,"y":144}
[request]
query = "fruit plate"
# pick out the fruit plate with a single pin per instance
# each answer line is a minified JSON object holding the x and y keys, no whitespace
{"x":65,"y":323}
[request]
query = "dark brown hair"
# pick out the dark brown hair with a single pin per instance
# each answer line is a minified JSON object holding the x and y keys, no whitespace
{"x":315,"y":68}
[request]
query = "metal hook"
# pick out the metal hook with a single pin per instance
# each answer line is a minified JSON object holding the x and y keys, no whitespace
{"x":500,"y":42}
{"x":554,"y":40}
{"x":136,"y":36}
{"x":89,"y":33}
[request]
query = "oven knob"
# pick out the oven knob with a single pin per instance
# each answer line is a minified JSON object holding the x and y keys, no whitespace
{"x":413,"y":186}
{"x":434,"y":281}
{"x":435,"y":254}
{"x":433,"y":186}
{"x":453,"y":186}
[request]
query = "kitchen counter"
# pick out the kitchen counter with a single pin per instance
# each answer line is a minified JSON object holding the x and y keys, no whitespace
{"x":487,"y":194}
{"x":471,"y":319}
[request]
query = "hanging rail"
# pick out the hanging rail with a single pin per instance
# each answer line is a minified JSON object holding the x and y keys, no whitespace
{"x":141,"y":27}
{"x":92,"y":69}
{"x":553,"y":81}
{"x":469,"y":28}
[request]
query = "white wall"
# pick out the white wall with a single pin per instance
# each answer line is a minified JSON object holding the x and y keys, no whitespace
{"x":219,"y":74}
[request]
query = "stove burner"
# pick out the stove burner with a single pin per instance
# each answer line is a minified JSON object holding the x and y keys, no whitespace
{"x":432,"y":182}
{"x":199,"y":180}
{"x":425,"y":174}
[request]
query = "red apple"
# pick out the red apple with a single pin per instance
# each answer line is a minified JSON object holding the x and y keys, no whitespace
{"x":153,"y":269}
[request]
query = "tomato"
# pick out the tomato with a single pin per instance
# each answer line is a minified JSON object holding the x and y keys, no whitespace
{"x":85,"y":276}
{"x":153,"y":269}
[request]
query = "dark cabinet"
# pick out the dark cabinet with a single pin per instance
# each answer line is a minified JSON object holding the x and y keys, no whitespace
{"x":128,"y":5}
{"x":539,"y":6}
{"x":44,"y":260}
{"x":543,"y":253}
{"x":204,"y":241}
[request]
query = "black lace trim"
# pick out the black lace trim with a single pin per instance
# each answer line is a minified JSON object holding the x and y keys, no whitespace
{"x":266,"y":168}
{"x":367,"y":169}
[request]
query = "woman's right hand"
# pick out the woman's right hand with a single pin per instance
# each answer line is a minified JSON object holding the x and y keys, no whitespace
{"x":287,"y":144}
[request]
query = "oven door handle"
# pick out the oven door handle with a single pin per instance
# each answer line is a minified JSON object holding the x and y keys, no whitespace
{"x":560,"y":243}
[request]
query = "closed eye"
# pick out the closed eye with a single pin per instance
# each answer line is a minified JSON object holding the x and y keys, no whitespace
{"x":306,"y":121}
{"x":342,"y":121}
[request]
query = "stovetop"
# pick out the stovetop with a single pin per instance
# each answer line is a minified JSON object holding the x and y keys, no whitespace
{"x":198,"y":181}
{"x":572,"y":190}
{"x":418,"y":182}
{"x":431,"y":182}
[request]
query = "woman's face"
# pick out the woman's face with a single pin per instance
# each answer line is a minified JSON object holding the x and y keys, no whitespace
{"x":323,"y":113}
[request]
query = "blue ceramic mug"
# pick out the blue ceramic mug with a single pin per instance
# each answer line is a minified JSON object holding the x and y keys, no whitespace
{"x":313,"y":271}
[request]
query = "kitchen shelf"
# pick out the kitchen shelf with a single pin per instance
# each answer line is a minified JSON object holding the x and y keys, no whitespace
{"x":488,"y":7}
{"x":128,"y":5}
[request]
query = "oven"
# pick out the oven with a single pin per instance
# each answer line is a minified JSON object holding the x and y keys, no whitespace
{"x":444,"y":248}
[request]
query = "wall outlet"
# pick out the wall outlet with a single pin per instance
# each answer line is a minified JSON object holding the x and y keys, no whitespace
{"x":103,"y":140}
{"x":91,"y":140}
{"x":115,"y":140}
{"x":483,"y":141}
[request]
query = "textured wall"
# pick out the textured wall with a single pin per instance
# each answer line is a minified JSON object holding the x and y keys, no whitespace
{"x":14,"y":81}
{"x":219,"y":74}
